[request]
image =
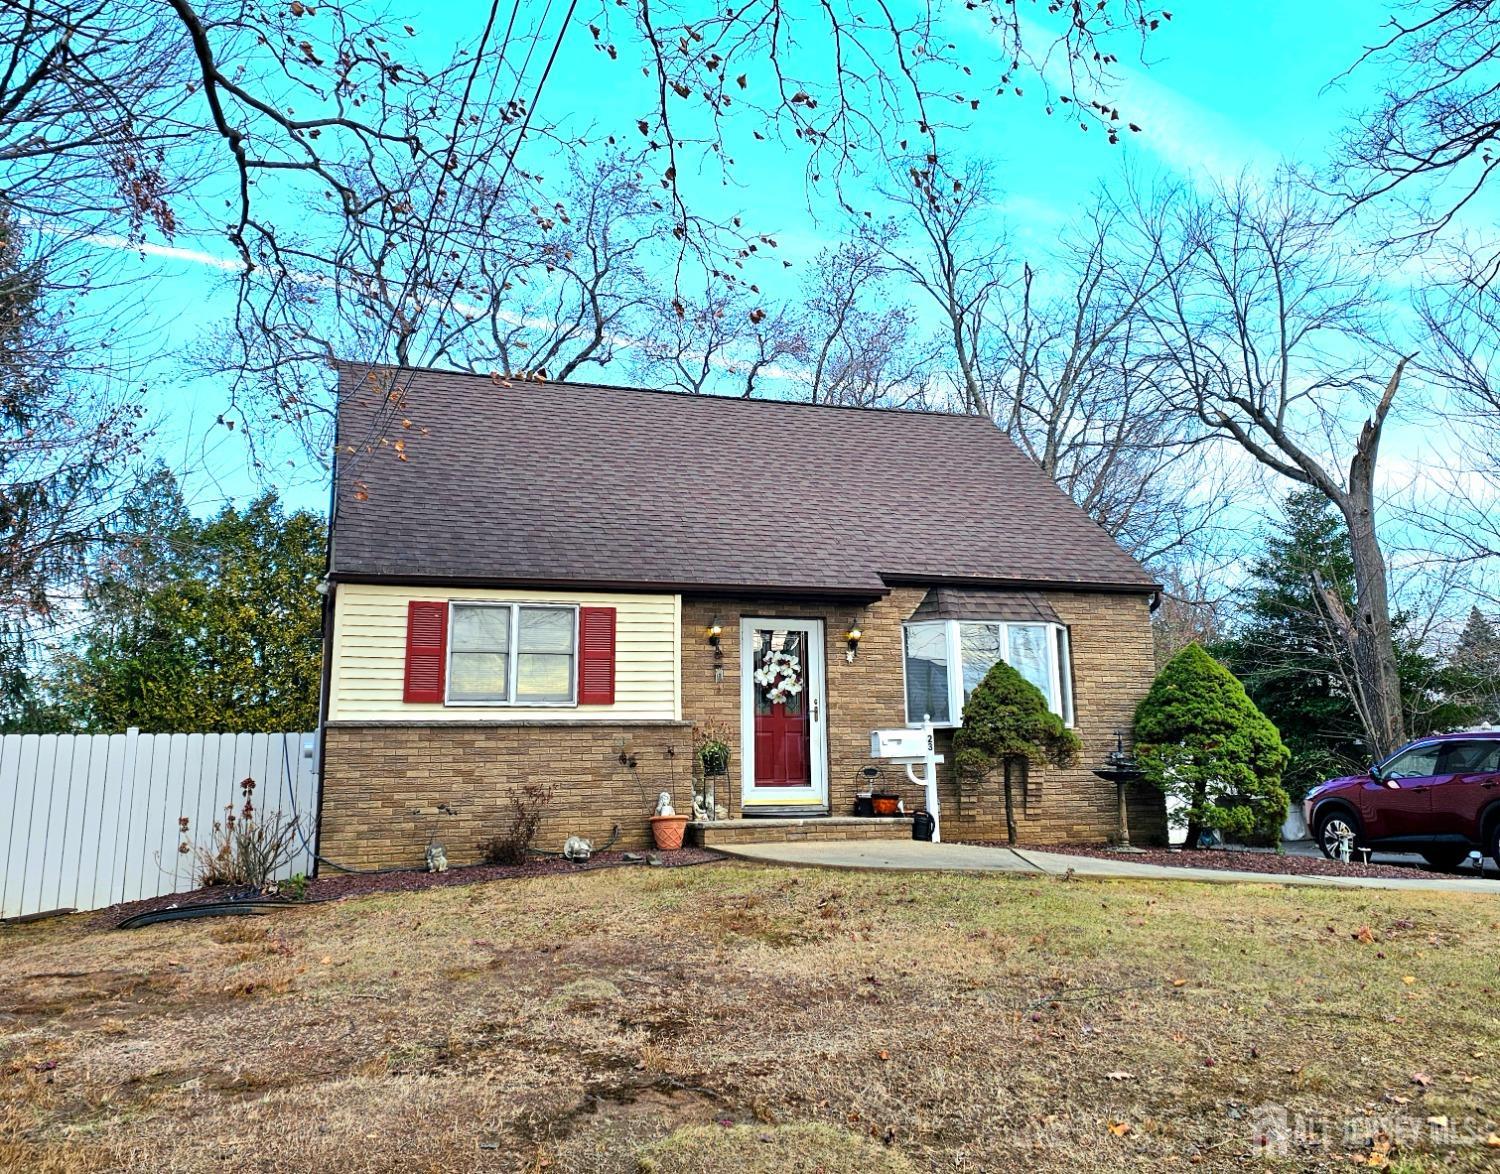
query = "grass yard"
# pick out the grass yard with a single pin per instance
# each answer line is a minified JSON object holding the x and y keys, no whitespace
{"x":727,"y":1018}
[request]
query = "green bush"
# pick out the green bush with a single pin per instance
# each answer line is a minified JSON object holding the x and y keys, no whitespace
{"x":1006,"y":722}
{"x":1200,"y":739}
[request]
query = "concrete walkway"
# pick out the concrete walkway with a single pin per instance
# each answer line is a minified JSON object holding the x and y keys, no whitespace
{"x":914,"y":856}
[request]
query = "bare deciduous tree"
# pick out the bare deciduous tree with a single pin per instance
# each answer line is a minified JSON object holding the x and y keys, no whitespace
{"x":944,"y":243}
{"x":1058,"y":354}
{"x":1266,"y":338}
{"x":350,"y":167}
{"x":1461,"y":353}
{"x":862,"y":345}
{"x":1435,"y":129}
{"x":1077,"y":391}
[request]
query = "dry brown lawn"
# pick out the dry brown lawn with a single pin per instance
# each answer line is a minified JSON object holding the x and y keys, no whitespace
{"x":729,"y":1018}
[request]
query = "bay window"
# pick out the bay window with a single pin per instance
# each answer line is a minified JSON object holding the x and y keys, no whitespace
{"x":946,"y":659}
{"x":511,"y":654}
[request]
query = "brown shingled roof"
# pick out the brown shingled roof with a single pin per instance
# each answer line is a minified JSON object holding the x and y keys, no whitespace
{"x":511,"y":482}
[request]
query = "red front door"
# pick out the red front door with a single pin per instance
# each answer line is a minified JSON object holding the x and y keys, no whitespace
{"x":782,"y":731}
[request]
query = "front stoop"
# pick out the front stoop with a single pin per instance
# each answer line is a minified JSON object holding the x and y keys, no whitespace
{"x":714,"y":833}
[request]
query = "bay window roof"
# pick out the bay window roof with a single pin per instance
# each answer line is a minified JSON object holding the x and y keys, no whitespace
{"x":960,"y":603}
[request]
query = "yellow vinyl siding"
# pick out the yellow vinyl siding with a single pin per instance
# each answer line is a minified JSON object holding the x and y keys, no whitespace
{"x":369,"y":657}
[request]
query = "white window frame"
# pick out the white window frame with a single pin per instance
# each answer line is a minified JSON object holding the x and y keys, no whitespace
{"x":1059,"y":666}
{"x":513,"y":657}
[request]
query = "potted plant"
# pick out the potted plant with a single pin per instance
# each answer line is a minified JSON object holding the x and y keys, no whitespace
{"x":713,"y":751}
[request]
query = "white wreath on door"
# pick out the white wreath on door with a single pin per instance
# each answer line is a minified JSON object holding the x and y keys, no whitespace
{"x":780,"y":675}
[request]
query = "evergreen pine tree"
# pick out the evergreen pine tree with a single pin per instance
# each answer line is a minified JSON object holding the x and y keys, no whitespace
{"x":1200,"y":738}
{"x":1006,"y":724}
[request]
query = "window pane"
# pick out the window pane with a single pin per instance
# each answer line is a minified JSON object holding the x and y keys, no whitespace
{"x":1414,"y":764}
{"x":477,"y":676}
{"x":1029,"y":657}
{"x":1065,"y":673}
{"x":980,"y":644}
{"x":784,"y":681}
{"x":927,"y":672}
{"x":544,"y":676}
{"x":481,"y":629}
{"x":546,"y":629}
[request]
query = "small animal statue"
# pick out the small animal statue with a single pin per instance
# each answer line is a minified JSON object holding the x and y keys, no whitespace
{"x":437,"y":857}
{"x":720,"y":811}
{"x":664,"y":804}
{"x":577,"y":849}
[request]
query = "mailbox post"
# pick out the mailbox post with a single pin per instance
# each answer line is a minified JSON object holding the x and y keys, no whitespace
{"x":913,"y":747}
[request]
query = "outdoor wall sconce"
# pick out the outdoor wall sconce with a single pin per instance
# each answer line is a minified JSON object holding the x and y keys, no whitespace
{"x":853,"y":636}
{"x":714,"y":631}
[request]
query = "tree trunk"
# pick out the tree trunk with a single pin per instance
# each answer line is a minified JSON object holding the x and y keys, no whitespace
{"x":1371,"y":645}
{"x":1010,"y":808}
{"x":1195,"y":827}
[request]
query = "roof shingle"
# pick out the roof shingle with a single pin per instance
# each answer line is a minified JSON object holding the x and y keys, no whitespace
{"x":448,"y":476}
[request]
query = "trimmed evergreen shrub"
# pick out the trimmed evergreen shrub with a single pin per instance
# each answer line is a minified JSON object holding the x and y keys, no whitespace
{"x":1006,"y":722}
{"x":1200,"y":739}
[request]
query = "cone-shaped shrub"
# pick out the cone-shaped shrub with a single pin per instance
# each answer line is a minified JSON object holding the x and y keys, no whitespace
{"x":1202,"y":740}
{"x":1006,"y":718}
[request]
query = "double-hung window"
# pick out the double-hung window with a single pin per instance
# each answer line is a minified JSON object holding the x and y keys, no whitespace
{"x":512,"y":654}
{"x":946,"y":659}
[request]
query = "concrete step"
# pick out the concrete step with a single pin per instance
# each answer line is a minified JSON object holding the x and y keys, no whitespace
{"x":711,"y":833}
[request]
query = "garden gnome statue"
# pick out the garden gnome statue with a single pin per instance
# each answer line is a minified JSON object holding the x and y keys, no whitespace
{"x":664,"y":804}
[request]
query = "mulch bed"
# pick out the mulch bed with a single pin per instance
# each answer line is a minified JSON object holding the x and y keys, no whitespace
{"x":334,"y":886}
{"x":1235,"y":860}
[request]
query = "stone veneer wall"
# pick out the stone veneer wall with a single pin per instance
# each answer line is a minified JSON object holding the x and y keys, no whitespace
{"x":383,"y":784}
{"x":1112,"y":669}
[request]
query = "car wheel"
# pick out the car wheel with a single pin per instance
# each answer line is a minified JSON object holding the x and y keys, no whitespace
{"x":1333,"y":828}
{"x":1495,"y":843}
{"x":1445,"y":858}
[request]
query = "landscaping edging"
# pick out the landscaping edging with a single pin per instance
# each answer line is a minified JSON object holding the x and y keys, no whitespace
{"x":337,"y":886}
{"x":1268,"y":863}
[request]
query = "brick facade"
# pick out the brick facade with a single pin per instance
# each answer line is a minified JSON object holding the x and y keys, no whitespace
{"x":1112,"y":669}
{"x":384,"y":783}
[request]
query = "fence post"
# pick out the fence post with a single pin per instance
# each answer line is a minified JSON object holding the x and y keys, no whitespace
{"x":127,"y":789}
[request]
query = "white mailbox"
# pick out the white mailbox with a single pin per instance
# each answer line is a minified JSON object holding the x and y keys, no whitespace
{"x":914,"y":747}
{"x":900,"y":743}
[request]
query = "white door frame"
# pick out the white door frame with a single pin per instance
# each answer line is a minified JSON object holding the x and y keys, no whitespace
{"x":815,"y":795}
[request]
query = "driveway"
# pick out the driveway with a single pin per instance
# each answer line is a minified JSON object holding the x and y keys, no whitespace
{"x":916,"y":856}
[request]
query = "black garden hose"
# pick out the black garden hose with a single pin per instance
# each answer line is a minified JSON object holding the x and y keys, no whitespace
{"x":211,"y":909}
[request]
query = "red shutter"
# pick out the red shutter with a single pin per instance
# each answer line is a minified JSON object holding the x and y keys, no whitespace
{"x":426,"y":649}
{"x":596,"y":656}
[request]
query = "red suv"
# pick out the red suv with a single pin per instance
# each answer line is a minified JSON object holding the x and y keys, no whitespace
{"x":1439,"y":796}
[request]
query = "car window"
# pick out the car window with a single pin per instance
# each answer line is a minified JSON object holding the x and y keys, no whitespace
{"x":1470,"y":757}
{"x":1418,"y":762}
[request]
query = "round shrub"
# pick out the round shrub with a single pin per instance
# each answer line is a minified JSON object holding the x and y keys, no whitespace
{"x":1201,"y":740}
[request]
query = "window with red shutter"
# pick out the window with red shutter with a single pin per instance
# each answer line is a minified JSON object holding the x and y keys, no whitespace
{"x":426,"y":650}
{"x":596,"y":656}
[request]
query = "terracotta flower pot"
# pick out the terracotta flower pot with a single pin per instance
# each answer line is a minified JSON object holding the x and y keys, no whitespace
{"x":667,"y":831}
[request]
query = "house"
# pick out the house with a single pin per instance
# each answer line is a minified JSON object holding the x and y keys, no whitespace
{"x":533,"y":581}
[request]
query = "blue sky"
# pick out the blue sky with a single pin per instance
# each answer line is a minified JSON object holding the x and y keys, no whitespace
{"x":1227,"y":87}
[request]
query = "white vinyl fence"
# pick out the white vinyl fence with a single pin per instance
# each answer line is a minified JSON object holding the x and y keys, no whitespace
{"x":87,"y":820}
